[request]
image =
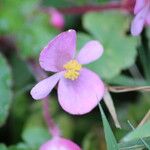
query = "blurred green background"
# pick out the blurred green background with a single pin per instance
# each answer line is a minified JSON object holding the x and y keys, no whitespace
{"x":25,"y":29}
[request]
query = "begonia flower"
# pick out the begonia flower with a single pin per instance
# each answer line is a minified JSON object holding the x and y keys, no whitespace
{"x":58,"y":143}
{"x":57,"y":19}
{"x":79,"y":89}
{"x":142,"y":12}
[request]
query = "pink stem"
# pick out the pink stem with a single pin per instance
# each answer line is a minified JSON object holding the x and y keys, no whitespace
{"x":53,"y":128}
{"x":95,"y":8}
{"x":39,"y":75}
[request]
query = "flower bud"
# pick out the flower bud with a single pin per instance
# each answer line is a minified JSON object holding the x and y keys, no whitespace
{"x":57,"y":19}
{"x":58,"y":143}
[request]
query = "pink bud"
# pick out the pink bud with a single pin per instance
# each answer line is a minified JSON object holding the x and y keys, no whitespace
{"x":58,"y":143}
{"x":57,"y":19}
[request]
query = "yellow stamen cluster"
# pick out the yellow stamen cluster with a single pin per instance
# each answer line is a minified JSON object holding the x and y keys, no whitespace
{"x":72,"y":70}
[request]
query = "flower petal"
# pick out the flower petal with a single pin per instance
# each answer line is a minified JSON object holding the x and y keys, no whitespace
{"x":58,"y":143}
{"x":139,"y":5}
{"x":139,"y":22}
{"x":90,"y":52}
{"x":81,"y":95}
{"x":58,"y":51}
{"x":44,"y":87}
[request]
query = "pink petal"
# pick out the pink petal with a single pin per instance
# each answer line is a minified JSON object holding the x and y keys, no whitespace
{"x":58,"y":143}
{"x":58,"y":51}
{"x":139,"y":21}
{"x":44,"y":87}
{"x":90,"y":52}
{"x":82,"y":95}
{"x":139,"y":5}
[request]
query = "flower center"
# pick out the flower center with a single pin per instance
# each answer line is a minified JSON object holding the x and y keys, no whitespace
{"x":72,"y":69}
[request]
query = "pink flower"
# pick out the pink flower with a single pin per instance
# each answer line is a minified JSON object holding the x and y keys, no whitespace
{"x":142,"y":12}
{"x":79,"y":89}
{"x":58,"y":143}
{"x":57,"y":19}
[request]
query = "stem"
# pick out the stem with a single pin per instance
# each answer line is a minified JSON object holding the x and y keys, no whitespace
{"x":135,"y":72}
{"x":39,"y":75}
{"x":53,"y":128}
{"x":96,"y":8}
{"x":122,"y":89}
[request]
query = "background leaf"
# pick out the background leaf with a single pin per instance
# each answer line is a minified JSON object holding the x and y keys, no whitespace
{"x":5,"y":89}
{"x":28,"y":25}
{"x":35,"y":136}
{"x":139,"y":132}
{"x":134,"y":144}
{"x":119,"y":49}
{"x":109,"y":136}
{"x":3,"y":147}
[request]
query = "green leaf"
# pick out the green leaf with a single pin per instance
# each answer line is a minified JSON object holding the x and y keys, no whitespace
{"x":119,"y":49}
{"x":28,"y":24}
{"x":82,"y":38}
{"x":5,"y":89}
{"x":23,"y":146}
{"x":12,"y":20}
{"x":128,"y":81}
{"x":139,"y":132}
{"x":3,"y":147}
{"x":35,"y":136}
{"x":134,"y":144}
{"x":20,"y":71}
{"x":34,"y":35}
{"x":35,"y":132}
{"x":17,"y":148}
{"x":109,"y":136}
{"x":19,"y":115}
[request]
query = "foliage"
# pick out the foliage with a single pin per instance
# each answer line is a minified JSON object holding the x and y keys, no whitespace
{"x":5,"y":89}
{"x":25,"y":29}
